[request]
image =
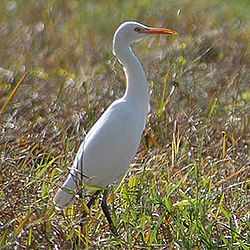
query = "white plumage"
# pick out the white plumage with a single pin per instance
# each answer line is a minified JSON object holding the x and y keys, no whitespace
{"x":111,"y":144}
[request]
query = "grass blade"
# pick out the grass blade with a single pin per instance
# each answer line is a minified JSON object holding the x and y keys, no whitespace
{"x":13,"y":93}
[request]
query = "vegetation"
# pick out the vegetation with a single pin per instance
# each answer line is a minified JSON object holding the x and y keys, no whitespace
{"x":188,"y":185}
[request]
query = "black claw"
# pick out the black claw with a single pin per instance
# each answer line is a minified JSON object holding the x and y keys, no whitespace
{"x":113,"y":229}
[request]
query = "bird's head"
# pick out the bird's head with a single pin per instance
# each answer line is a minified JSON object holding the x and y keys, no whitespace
{"x":129,"y":32}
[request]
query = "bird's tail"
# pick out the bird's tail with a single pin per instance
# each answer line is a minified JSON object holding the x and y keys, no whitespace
{"x":66,"y":193}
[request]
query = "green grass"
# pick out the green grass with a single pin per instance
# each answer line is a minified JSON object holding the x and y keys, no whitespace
{"x":188,"y":187}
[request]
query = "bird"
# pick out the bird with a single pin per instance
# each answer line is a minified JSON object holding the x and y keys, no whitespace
{"x":110,"y":146}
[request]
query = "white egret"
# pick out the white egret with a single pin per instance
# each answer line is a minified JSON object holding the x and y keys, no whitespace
{"x":111,"y":144}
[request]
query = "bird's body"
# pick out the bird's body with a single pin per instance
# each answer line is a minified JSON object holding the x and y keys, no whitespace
{"x":111,"y":144}
{"x":105,"y":146}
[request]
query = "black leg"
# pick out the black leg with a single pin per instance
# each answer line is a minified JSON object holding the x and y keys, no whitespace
{"x":76,"y":243}
{"x":93,"y":198}
{"x":89,"y":204}
{"x":106,"y":211}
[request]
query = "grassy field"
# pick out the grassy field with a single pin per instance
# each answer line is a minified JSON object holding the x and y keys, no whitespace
{"x":188,"y":187}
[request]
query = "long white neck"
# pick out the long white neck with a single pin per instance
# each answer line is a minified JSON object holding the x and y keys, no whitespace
{"x":137,"y":87}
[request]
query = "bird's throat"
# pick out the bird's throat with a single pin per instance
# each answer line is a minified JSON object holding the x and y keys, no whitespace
{"x":136,"y":81}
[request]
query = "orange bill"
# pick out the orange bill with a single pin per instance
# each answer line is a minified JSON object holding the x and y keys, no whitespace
{"x":158,"y":31}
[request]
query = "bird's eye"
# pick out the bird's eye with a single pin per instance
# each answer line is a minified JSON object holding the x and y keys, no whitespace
{"x":137,"y":29}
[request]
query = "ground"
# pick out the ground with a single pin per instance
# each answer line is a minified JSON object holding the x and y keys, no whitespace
{"x":188,"y":185}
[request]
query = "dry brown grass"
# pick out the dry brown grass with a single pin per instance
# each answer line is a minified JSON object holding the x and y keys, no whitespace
{"x":189,"y":185}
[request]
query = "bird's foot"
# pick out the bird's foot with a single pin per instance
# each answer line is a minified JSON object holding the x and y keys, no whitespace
{"x":113,"y":229}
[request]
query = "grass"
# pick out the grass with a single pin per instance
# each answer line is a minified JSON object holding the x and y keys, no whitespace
{"x":189,"y":184}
